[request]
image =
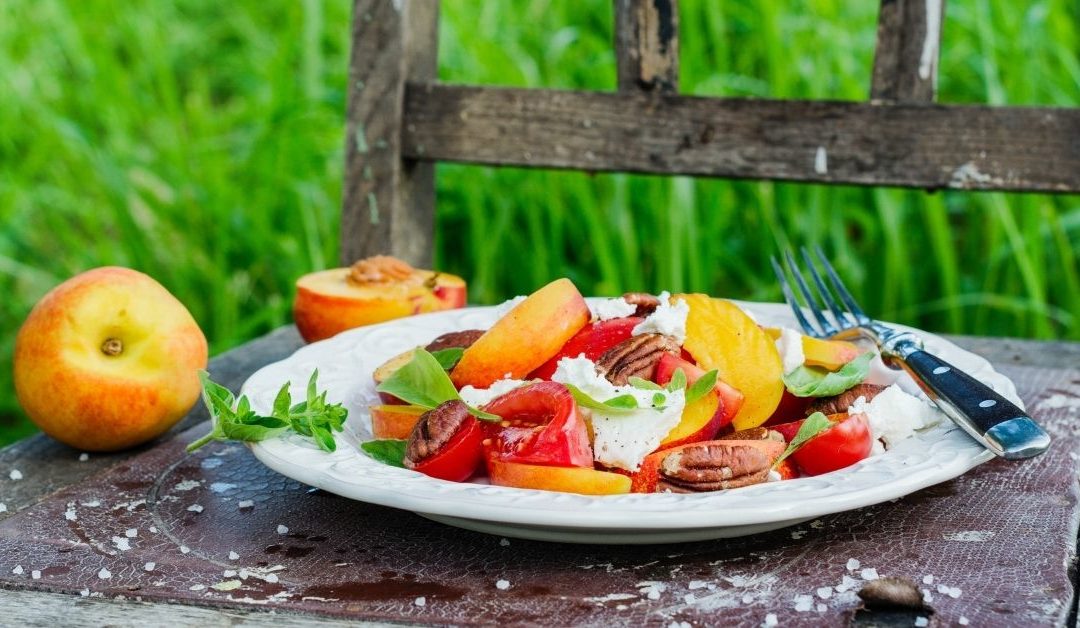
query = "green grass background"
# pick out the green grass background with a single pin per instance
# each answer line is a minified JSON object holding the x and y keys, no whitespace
{"x":201,"y":142}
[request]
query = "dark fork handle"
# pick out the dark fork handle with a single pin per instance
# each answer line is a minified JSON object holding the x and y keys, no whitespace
{"x":990,"y":418}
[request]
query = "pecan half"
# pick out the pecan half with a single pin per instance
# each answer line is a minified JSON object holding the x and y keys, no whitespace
{"x":635,"y":357}
{"x":840,"y":403}
{"x":455,"y":340}
{"x":379,"y":269}
{"x":646,"y":303}
{"x":434,"y":429}
{"x":754,"y":433}
{"x":713,"y":467}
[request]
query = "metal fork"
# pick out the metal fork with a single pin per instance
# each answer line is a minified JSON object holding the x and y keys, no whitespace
{"x":988,"y":417}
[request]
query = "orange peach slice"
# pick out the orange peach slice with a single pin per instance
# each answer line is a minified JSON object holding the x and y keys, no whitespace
{"x":563,"y":479}
{"x":328,"y":302}
{"x":394,"y":421}
{"x":526,"y":337}
{"x":828,"y":354}
{"x":721,"y":336}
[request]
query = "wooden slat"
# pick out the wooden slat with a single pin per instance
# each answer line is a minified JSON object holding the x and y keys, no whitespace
{"x":908,"y":47}
{"x":926,"y":146}
{"x":647,"y":45}
{"x":388,"y":203}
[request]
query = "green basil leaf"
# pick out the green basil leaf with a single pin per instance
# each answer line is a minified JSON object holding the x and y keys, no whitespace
{"x":703,"y":385}
{"x":484,"y":416}
{"x":421,"y":382}
{"x":644,"y":384}
{"x":389,"y":451}
{"x":586,"y":401}
{"x":678,"y":381}
{"x":811,"y":427}
{"x":623,"y":402}
{"x":282,"y":402}
{"x":324,"y":439}
{"x":813,"y":381}
{"x":658,"y":399}
{"x":215,"y":391}
{"x":448,"y":358}
{"x":250,"y":432}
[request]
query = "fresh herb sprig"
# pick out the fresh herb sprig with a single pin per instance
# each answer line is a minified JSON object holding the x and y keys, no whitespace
{"x":235,"y":420}
{"x":423,"y":382}
{"x":627,"y":403}
{"x":814,"y":381}
{"x":811,"y":426}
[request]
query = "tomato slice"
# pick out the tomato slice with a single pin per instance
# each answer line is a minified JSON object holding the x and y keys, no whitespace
{"x":592,"y":341}
{"x":541,"y":426}
{"x":459,"y":458}
{"x":842,"y":445}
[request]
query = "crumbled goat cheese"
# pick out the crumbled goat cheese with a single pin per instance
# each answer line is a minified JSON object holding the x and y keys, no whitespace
{"x":824,"y":592}
{"x":669,"y":319}
{"x":963,"y":621}
{"x":789,"y":344}
{"x":504,"y":308}
{"x":477,"y":397}
{"x":612,"y":308}
{"x":895,"y":415}
{"x":622,"y":439}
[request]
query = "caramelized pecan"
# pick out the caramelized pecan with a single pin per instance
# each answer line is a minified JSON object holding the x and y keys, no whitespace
{"x":455,"y":340}
{"x":635,"y":357}
{"x":434,"y":429}
{"x":840,"y":403}
{"x":754,"y":433}
{"x":380,"y":269}
{"x":646,"y":303}
{"x":713,"y":467}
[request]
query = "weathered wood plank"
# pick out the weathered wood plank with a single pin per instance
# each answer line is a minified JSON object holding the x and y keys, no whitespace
{"x":908,"y":47}
{"x":925,"y":146}
{"x":389,"y":203}
{"x":647,"y":45}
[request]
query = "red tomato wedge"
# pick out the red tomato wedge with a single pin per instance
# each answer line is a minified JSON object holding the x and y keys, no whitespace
{"x":459,"y":458}
{"x":541,"y":426}
{"x":842,"y":445}
{"x":592,"y":341}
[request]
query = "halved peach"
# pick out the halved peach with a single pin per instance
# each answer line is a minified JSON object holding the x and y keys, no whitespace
{"x":394,"y":421}
{"x":526,"y":337}
{"x":719,"y":335}
{"x":828,"y":354}
{"x":564,"y":479}
{"x":388,"y":368}
{"x":331,"y":301}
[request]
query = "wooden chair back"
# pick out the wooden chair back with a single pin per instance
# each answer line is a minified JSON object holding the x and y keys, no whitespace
{"x":401,"y":121}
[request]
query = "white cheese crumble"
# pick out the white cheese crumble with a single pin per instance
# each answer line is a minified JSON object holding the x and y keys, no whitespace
{"x":669,"y":319}
{"x":478,"y":397}
{"x":504,"y":308}
{"x":621,"y":439}
{"x":894,"y":415}
{"x":611,"y":308}
{"x":789,"y":344}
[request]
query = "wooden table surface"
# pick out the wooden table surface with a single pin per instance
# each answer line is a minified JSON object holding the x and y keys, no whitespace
{"x":1048,"y":375}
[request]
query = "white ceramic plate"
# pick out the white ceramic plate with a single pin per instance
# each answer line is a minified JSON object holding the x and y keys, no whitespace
{"x":346,"y":362}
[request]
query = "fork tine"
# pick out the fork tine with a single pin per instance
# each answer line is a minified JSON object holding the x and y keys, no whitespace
{"x":842,"y":290}
{"x":815,"y":304}
{"x":789,"y":296}
{"x":842,"y":318}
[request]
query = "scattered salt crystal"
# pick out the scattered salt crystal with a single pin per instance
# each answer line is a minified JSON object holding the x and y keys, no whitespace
{"x":226,"y":585}
{"x":3,"y":507}
{"x":797,"y":534}
{"x":942,"y":589}
{"x":271,"y":578}
{"x":122,"y":543}
{"x":83,"y":457}
{"x":187,"y":485}
{"x":803,"y":603}
{"x":697,"y":584}
{"x":233,"y":556}
{"x":824,"y":592}
{"x":846,"y":584}
{"x":245,"y":503}
{"x":963,"y":621}
{"x":94,"y":503}
{"x":747,"y":599}
{"x":131,"y":533}
{"x":770,"y":619}
{"x":197,"y":587}
{"x":84,"y":592}
{"x":504,"y":542}
{"x":689,"y":598}
{"x":502,"y":585}
{"x":70,"y":514}
{"x":954,"y":592}
{"x":420,"y":601}
{"x":228,"y":573}
{"x":928,"y":579}
{"x":195,"y":508}
{"x":922,"y":622}
{"x":852,"y":564}
{"x":282,"y":529}
{"x":35,"y":574}
{"x":821,"y":608}
{"x":149,"y":566}
{"x":153,"y":529}
{"x":17,"y":570}
{"x":869,"y":573}
{"x":679,"y":624}
{"x":817,"y":524}
{"x":184,"y":549}
{"x":621,"y":607}
{"x":927,"y":596}
{"x":104,"y":574}
{"x":15,"y":474}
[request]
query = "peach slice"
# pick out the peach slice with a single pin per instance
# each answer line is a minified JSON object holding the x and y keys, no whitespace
{"x":331,"y":301}
{"x":703,"y":418}
{"x":563,"y":479}
{"x":394,"y":421}
{"x":388,"y":368}
{"x":719,"y":335}
{"x":526,"y":337}
{"x":828,"y":354}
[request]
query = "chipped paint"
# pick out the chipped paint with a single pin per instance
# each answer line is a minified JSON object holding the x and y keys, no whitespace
{"x":360,"y":140}
{"x":929,"y":58}
{"x":821,"y":161}
{"x":373,"y":208}
{"x":968,"y":174}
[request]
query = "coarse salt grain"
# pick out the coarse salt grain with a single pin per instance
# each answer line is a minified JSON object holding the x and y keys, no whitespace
{"x":84,"y":592}
{"x":104,"y":574}
{"x":502,"y":585}
{"x":282,"y":529}
{"x":195,"y":508}
{"x":928,"y":579}
{"x":922,"y":622}
{"x":271,"y":578}
{"x":954,"y":592}
{"x":420,"y":601}
{"x":197,"y":587}
{"x":3,"y":507}
{"x":697,"y":584}
{"x":747,"y":599}
{"x":15,"y":474}
{"x":869,"y":574}
{"x":131,"y":533}
{"x":824,"y":592}
{"x":852,"y":564}
{"x":963,"y":621}
{"x":122,"y":543}
{"x":770,"y":619}
{"x":17,"y":570}
{"x":184,"y":549}
{"x":689,"y":598}
{"x":504,"y":542}
{"x":149,"y":566}
{"x":70,"y":514}
{"x":228,"y":573}
{"x":245,"y":503}
{"x":233,"y":556}
{"x":803,"y":603}
{"x":153,"y":529}
{"x":821,"y":608}
{"x":35,"y":574}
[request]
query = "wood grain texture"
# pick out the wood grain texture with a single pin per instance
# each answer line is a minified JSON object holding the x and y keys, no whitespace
{"x":647,"y":45}
{"x":389,"y":202}
{"x":908,"y":48}
{"x":926,"y":146}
